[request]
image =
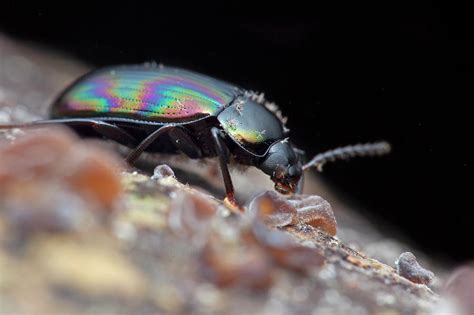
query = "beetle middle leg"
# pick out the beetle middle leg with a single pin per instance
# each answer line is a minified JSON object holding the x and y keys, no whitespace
{"x":180,"y":138}
{"x":135,"y":153}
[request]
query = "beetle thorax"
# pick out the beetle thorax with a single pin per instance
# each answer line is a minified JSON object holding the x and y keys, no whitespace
{"x":252,"y":126}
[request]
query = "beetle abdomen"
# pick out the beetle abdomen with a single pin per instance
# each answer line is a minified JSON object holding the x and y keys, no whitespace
{"x":153,"y":94}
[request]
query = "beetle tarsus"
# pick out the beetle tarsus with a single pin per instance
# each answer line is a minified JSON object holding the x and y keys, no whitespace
{"x":232,"y":204}
{"x":348,"y":152}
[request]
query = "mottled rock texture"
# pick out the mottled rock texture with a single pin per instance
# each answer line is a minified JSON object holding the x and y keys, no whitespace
{"x":81,"y":233}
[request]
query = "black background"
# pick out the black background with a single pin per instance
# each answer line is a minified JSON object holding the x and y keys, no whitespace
{"x":342,"y":75}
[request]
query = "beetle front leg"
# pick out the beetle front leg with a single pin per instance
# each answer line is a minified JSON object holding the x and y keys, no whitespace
{"x":300,"y":185}
{"x":223,"y":156}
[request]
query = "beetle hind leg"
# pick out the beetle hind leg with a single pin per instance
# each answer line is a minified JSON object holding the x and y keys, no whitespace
{"x":105,"y":129}
{"x":109,"y":131}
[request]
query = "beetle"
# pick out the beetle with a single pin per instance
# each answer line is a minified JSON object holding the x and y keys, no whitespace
{"x":172,"y":110}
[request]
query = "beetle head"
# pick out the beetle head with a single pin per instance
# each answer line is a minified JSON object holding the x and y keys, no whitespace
{"x":284,"y":167}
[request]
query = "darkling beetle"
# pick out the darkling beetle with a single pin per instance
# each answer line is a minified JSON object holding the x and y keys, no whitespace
{"x":169,"y":110}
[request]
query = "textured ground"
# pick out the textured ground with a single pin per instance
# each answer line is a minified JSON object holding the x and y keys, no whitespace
{"x":82,"y":234}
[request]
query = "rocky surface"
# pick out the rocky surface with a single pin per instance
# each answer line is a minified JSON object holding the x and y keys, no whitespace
{"x":80,"y":233}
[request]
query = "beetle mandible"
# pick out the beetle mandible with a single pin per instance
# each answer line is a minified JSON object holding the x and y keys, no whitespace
{"x":172,"y":110}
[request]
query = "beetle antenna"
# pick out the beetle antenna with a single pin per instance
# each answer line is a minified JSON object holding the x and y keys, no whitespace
{"x":348,"y":152}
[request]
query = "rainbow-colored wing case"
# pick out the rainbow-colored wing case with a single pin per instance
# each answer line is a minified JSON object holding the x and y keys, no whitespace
{"x":161,"y":94}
